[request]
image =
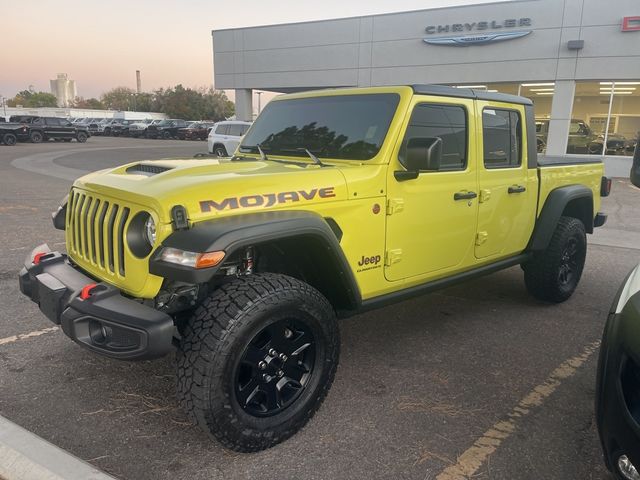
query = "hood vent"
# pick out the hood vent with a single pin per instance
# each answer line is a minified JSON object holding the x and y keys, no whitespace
{"x":146,"y":169}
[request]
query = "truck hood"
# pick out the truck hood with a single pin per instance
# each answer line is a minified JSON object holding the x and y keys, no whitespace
{"x":215,"y":187}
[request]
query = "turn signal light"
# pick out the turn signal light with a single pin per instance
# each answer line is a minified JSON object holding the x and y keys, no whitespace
{"x":209,"y":259}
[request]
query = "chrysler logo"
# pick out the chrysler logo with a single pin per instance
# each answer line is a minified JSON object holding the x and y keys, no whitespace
{"x":478,"y":39}
{"x":477,"y":29}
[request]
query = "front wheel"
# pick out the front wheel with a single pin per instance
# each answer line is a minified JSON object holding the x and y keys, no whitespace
{"x":257,"y":359}
{"x":36,"y":137}
{"x":553,"y":274}
{"x":81,"y":137}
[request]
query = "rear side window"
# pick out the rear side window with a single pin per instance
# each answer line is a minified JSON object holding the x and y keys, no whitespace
{"x":245,"y":128}
{"x":502,"y":137}
{"x":222,"y":129}
{"x":53,"y":122}
{"x":446,"y":122}
{"x":236,"y":130}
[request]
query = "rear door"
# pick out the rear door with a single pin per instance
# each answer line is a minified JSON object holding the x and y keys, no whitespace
{"x":508,"y":194}
{"x":431,"y":222}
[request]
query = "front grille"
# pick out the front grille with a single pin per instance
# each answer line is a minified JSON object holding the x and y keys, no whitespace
{"x":96,"y":231}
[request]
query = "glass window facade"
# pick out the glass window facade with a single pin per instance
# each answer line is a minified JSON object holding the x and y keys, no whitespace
{"x":598,"y":106}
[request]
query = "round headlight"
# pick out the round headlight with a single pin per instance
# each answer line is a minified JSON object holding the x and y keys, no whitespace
{"x":150,"y":231}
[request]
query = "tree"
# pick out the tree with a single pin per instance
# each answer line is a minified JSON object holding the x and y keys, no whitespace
{"x":30,"y":99}
{"x":119,"y":98}
{"x":193,"y":104}
{"x":92,"y":103}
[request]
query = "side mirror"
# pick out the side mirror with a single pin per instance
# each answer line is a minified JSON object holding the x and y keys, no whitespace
{"x":421,"y":154}
{"x":635,"y":167}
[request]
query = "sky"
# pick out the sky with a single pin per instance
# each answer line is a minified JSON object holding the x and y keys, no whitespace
{"x":100,"y":44}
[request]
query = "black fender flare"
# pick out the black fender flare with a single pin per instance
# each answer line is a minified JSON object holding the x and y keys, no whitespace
{"x":230,"y":234}
{"x":554,"y":207}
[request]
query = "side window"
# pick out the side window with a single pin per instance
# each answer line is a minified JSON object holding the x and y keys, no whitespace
{"x":222,"y":129}
{"x":53,"y":122}
{"x":502,"y":137}
{"x":445,"y":122}
{"x":236,"y":130}
{"x":245,"y":128}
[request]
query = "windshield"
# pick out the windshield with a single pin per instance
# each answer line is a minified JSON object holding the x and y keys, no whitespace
{"x":165,"y":122}
{"x":349,"y":127}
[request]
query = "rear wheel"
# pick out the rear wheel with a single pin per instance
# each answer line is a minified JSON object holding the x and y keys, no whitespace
{"x":9,"y":139}
{"x":36,"y":137}
{"x":553,"y":274}
{"x":166,"y":135}
{"x":219,"y":150}
{"x":257,"y":359}
{"x":81,"y":137}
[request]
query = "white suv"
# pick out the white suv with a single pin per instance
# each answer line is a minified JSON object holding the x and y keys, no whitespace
{"x":225,"y":137}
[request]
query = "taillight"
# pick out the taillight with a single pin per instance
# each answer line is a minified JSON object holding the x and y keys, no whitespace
{"x":605,"y":187}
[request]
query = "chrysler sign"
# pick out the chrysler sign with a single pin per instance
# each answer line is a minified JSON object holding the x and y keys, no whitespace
{"x":477,"y":30}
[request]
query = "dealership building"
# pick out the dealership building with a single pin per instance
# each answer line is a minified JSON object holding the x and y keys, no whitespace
{"x":576,"y":59}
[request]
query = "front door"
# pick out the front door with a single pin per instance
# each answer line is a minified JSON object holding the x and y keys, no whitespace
{"x":431,"y":222}
{"x":508,"y":193}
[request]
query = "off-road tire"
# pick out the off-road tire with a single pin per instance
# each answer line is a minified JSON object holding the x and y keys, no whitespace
{"x":545,"y":275}
{"x":216,"y":338}
{"x":81,"y":137}
{"x":219,"y":150}
{"x":9,"y":139}
{"x":36,"y":137}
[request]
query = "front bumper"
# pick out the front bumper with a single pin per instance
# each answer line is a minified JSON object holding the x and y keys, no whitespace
{"x":618,"y":382}
{"x":104,"y":321}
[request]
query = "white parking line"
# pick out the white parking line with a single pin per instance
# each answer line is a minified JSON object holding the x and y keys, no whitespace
{"x":473,"y":458}
{"x":24,"y":336}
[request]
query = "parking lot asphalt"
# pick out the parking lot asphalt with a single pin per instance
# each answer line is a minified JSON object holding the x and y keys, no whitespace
{"x":457,"y":384}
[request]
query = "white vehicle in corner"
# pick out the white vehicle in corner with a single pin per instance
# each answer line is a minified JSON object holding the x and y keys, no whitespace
{"x":225,"y":137}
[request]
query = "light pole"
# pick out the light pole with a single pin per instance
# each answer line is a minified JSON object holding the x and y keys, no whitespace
{"x":4,"y":104}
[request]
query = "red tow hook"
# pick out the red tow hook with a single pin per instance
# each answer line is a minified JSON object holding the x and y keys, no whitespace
{"x":38,"y":256}
{"x":86,"y":291}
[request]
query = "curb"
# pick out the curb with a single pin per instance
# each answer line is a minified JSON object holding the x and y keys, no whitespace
{"x":25,"y":456}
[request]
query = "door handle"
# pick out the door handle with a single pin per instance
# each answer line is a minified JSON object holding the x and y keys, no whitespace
{"x":517,"y":189}
{"x":464,"y":195}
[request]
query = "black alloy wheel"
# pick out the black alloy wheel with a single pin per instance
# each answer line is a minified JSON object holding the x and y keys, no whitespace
{"x":81,"y":137}
{"x":275,"y":368}
{"x":569,"y":262}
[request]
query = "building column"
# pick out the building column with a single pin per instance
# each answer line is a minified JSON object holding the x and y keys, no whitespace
{"x":244,"y":104}
{"x":560,"y":121}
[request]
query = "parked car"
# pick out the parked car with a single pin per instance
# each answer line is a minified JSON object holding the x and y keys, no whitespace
{"x":196,"y":131}
{"x":60,"y":129}
{"x":618,"y":380}
{"x":10,"y":133}
{"x":225,"y":137}
{"x":581,"y":138}
{"x":616,"y":145}
{"x":139,"y":127}
{"x":121,"y":127}
{"x":166,"y":128}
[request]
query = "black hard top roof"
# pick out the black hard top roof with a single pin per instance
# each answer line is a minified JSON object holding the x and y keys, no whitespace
{"x":444,"y":91}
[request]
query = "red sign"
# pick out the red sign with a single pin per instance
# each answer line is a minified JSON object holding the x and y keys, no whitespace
{"x":631,"y":24}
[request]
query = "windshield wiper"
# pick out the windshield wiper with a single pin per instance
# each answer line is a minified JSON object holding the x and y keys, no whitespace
{"x":315,"y":159}
{"x":263,"y":155}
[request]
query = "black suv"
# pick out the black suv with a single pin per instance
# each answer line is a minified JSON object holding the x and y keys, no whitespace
{"x":60,"y":129}
{"x":166,"y":128}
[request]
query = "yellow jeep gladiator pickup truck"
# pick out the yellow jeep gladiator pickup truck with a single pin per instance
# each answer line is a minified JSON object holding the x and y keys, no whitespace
{"x":336,"y":202}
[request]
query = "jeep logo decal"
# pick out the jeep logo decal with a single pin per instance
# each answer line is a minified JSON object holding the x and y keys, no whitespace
{"x":369,"y":263}
{"x":266,"y":200}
